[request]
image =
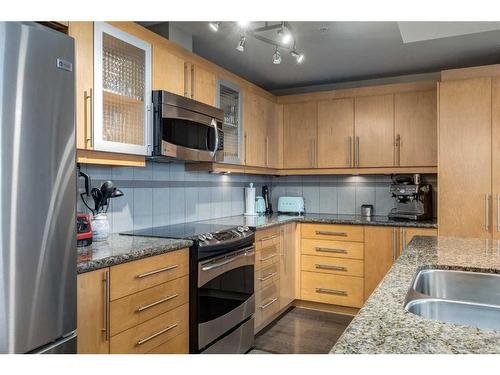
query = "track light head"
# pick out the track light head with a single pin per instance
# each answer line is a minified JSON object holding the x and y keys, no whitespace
{"x":276,"y":56}
{"x":241,"y":44}
{"x":214,"y":26}
{"x":284,"y":34}
{"x":243,"y":24}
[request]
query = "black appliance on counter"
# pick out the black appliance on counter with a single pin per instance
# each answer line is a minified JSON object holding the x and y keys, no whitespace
{"x":267,"y":200}
{"x":413,"y":198}
{"x":186,"y":129}
{"x":221,"y":285}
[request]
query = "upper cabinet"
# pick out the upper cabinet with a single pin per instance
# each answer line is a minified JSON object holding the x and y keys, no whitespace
{"x":415,"y":128}
{"x":300,"y":121}
{"x":168,"y":71}
{"x":229,"y":100}
{"x":336,"y":133}
{"x":202,"y":84}
{"x":374,"y":131}
{"x":122,"y":91}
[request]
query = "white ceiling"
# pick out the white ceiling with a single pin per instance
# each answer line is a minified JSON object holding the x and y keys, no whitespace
{"x":350,"y":51}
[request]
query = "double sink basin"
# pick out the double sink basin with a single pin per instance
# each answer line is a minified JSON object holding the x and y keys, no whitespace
{"x":459,"y":297}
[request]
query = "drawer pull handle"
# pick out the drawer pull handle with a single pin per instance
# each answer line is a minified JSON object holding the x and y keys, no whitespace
{"x":328,"y":250}
{"x":268,"y":276}
{"x":329,"y":267}
{"x":157,"y":271}
{"x":269,"y":257}
{"x":331,"y":291}
{"x":168,"y":298}
{"x":330,"y":233}
{"x":269,"y":237}
{"x":267,"y":304}
{"x":142,"y":341}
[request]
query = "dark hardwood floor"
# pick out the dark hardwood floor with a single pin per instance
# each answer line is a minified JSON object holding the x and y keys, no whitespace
{"x":302,"y":331}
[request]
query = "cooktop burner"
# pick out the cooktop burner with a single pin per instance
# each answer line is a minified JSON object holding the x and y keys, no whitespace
{"x":182,"y":231}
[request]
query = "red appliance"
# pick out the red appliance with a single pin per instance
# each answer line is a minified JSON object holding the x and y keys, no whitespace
{"x":83,"y":230}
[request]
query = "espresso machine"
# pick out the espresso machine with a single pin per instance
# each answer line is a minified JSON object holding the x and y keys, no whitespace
{"x":413,"y":199}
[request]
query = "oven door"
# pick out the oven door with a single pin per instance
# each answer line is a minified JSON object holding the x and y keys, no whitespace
{"x":190,"y":135}
{"x":225,"y":293}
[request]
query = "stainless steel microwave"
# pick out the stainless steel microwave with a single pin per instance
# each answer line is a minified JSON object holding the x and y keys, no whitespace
{"x":186,"y":129}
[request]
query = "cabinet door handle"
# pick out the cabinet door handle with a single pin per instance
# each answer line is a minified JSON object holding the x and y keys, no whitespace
{"x":268,"y":276}
{"x":267,"y":304}
{"x":329,"y":250}
{"x":267,"y":153}
{"x":192,"y":81}
{"x":330,"y":267}
{"x":331,"y":291}
{"x":142,"y":341}
{"x":105,"y":328}
{"x":88,"y":125}
{"x":154,"y":272}
{"x":498,"y":213}
{"x":357,"y":152}
{"x":330,"y":233}
{"x":269,"y":257}
{"x":398,"y":150}
{"x":168,"y":298}
{"x":311,"y":157}
{"x":349,"y":151}
{"x":186,"y":79}
{"x":394,"y":244}
{"x":487,"y":212}
{"x":245,"y":145}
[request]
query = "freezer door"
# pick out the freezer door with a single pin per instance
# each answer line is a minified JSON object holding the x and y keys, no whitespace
{"x":37,"y":187}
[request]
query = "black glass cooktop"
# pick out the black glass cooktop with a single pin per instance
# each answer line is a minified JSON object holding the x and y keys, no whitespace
{"x":182,"y":231}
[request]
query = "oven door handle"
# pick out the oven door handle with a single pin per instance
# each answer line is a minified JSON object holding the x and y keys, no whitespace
{"x":230,"y":260}
{"x":214,"y":152}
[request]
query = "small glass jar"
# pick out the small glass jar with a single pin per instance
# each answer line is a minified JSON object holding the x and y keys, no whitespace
{"x":100,"y":227}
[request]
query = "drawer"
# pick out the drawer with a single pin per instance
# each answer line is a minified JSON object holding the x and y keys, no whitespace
{"x":136,"y":308}
{"x":333,"y":266}
{"x":266,"y":276}
{"x":268,"y":238}
{"x":178,"y":345}
{"x":266,"y":303}
{"x":267,"y":256}
{"x":337,"y":249}
{"x":141,"y":274}
{"x":333,"y":232}
{"x":152,"y":333}
{"x":332,"y":289}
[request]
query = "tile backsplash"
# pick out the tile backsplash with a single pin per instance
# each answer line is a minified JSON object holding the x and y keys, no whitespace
{"x":164,"y":193}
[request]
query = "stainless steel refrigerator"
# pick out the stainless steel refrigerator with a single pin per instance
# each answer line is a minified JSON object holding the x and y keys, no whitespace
{"x":37,"y":190}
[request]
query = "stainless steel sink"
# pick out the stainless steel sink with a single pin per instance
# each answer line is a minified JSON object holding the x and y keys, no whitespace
{"x":460,"y":297}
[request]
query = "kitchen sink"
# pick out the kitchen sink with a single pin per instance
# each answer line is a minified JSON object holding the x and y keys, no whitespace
{"x":460,"y":297}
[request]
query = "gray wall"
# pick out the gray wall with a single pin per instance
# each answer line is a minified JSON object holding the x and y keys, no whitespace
{"x":342,"y":194}
{"x":163,"y":194}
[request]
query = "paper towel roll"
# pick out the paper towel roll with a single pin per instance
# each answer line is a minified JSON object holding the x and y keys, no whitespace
{"x":250,"y":201}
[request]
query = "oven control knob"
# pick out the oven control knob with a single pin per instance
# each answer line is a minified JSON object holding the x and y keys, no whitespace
{"x":246,"y":229}
{"x":209,"y":236}
{"x":241,"y":229}
{"x":201,"y":237}
{"x":236,"y":233}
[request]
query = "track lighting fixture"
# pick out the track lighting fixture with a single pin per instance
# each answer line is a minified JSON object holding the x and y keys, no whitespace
{"x":284,"y":34}
{"x":243,"y":24}
{"x":241,"y":44}
{"x":276,"y":56}
{"x":214,"y":26}
{"x":298,"y":56}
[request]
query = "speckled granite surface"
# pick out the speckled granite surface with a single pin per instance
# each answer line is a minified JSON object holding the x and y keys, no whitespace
{"x":383,"y":326}
{"x":263,"y":221}
{"x":121,"y":249}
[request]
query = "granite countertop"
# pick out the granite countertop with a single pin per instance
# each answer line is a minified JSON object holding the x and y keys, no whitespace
{"x":383,"y":326}
{"x":121,"y":249}
{"x":264,"y":221}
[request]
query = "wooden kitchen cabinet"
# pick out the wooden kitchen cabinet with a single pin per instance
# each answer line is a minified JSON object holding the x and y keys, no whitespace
{"x":199,"y":83}
{"x":168,"y":71}
{"x":415,"y":124}
{"x":496,"y":157}
{"x":300,"y":122}
{"x":407,"y":234}
{"x":374,"y":131}
{"x":335,"y":133}
{"x":465,"y":158}
{"x":254,"y":138}
{"x":380,"y":253}
{"x":93,"y":312}
{"x":287,"y":264}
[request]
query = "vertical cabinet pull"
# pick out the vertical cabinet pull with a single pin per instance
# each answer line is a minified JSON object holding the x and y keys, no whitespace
{"x":356,"y":158}
{"x":398,"y":150}
{"x":487,"y":198}
{"x":267,"y":151}
{"x":192,"y":81}
{"x":349,"y":151}
{"x":105,"y":328}
{"x":245,"y":146}
{"x":498,"y":213}
{"x":88,"y":125}
{"x":186,"y":79}
{"x":394,"y":240}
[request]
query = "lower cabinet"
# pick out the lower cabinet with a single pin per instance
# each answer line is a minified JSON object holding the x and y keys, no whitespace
{"x":147,"y":312}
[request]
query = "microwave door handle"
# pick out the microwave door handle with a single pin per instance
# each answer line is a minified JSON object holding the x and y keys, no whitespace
{"x":214,"y":124}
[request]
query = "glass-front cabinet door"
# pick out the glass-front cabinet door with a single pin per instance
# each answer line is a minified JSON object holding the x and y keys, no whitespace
{"x":122,"y":86}
{"x":229,"y":100}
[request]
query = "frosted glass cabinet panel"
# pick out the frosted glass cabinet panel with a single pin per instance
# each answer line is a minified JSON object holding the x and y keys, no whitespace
{"x":229,"y":100}
{"x":122,"y":84}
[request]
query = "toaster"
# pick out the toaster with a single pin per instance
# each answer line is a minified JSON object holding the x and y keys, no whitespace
{"x":291,"y":205}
